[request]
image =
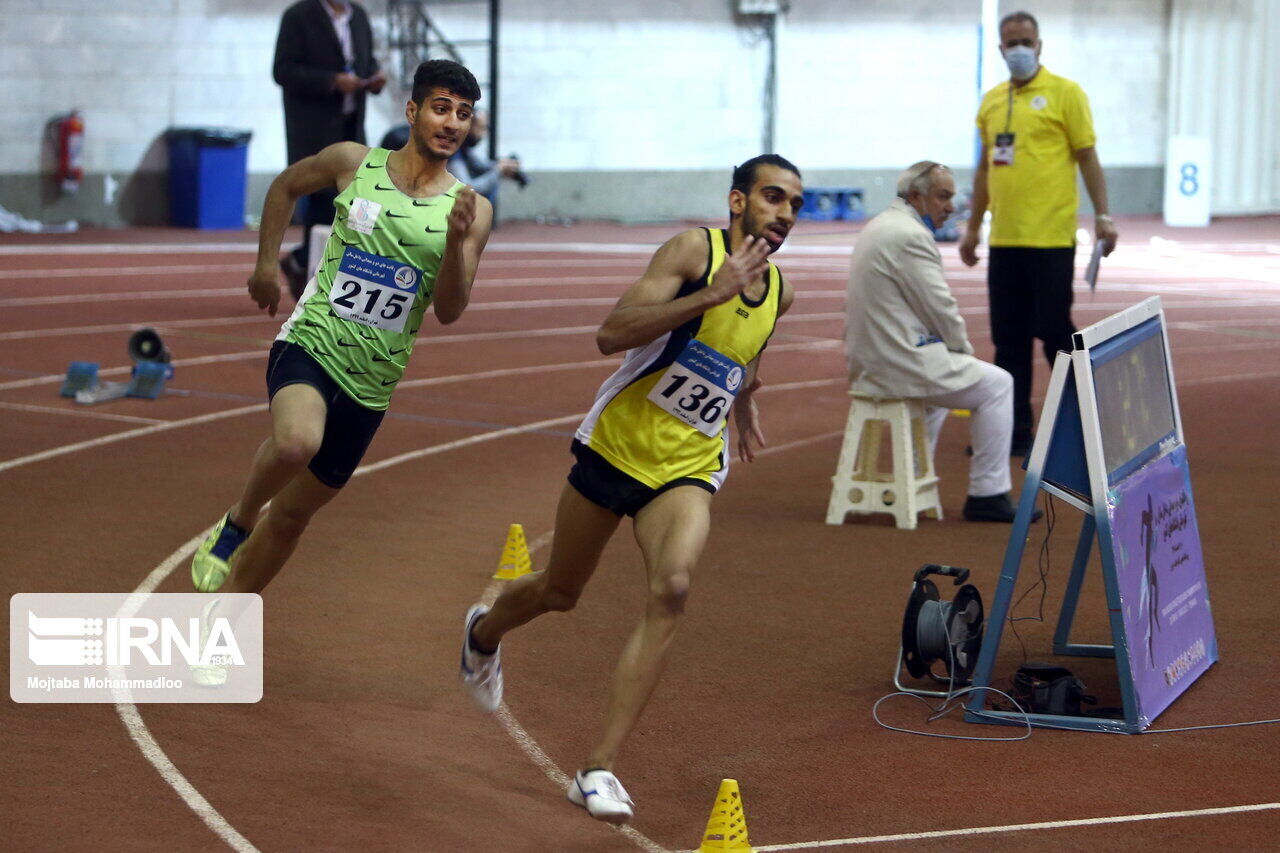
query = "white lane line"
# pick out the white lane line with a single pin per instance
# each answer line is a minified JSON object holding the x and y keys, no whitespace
{"x":135,"y":296}
{"x":141,"y":735}
{"x":531,"y":748}
{"x":161,"y":325}
{"x":151,"y":750}
{"x":117,"y":272}
{"x":126,"y":435}
{"x":206,"y":293}
{"x":51,"y":378}
{"x":128,"y":711}
{"x":81,"y":413}
{"x":1016,"y":827}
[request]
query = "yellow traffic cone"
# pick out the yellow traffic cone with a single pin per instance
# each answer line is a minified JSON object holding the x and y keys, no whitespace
{"x":727,"y":826}
{"x":515,"y":560}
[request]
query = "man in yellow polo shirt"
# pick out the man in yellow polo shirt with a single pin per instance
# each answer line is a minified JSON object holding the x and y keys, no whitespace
{"x":1035,"y":129}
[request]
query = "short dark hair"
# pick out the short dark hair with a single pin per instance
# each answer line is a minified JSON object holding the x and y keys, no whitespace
{"x":744,"y":176}
{"x":444,"y":74}
{"x":1017,"y":17}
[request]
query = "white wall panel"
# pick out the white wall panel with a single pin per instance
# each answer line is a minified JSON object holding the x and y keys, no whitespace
{"x":1224,"y":82}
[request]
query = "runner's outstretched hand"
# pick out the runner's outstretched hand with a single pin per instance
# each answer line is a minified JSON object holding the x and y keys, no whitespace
{"x":740,"y":269}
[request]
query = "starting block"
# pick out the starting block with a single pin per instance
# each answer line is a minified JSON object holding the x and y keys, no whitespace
{"x":81,"y":376}
{"x":151,"y":369}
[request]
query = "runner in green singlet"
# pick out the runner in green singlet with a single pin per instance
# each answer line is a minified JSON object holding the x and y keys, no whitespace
{"x":407,"y":236}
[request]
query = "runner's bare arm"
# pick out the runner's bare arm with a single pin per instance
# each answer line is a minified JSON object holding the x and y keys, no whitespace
{"x":649,"y":308}
{"x":746,"y":414}
{"x":331,"y":167}
{"x":469,"y":224}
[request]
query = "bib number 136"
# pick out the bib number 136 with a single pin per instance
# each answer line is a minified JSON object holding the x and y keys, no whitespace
{"x":698,"y":388}
{"x":374,"y":291}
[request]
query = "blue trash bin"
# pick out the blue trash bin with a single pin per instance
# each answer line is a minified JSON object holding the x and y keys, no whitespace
{"x":207,"y":176}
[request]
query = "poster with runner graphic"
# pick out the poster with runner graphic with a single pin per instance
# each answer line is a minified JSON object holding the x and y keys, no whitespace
{"x":1160,"y":573}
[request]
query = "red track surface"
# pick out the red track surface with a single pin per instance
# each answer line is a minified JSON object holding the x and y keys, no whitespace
{"x":363,"y":740}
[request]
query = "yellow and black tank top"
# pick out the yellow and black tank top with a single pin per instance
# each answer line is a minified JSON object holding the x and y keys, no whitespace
{"x":360,"y":314}
{"x":662,"y":415}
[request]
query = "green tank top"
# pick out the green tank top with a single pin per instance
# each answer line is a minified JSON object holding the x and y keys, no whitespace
{"x":359,"y":316}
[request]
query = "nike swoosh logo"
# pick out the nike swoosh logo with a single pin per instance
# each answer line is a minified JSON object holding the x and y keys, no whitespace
{"x":414,"y":331}
{"x":374,"y":165}
{"x":417,"y":203}
{"x":397,"y":215}
{"x":351,"y":372}
{"x":403,"y":243}
{"x":380,"y":358}
{"x":387,"y":382}
{"x":322,"y":352}
{"x":343,"y":343}
{"x":313,"y":324}
{"x":430,"y":230}
{"x":331,"y":260}
{"x":378,"y":186}
{"x":396,"y":351}
{"x":368,"y":337}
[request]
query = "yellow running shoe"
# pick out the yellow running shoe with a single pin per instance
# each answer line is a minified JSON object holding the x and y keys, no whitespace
{"x":212,"y":561}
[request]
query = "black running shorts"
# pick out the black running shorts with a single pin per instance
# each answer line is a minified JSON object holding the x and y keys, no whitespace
{"x":348,"y":428}
{"x":617,"y":491}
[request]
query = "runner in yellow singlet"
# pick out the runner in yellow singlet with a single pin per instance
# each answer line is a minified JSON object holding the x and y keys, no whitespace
{"x":655,"y":446}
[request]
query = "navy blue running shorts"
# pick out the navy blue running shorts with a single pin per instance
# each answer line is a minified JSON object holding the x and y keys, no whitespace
{"x":348,"y":428}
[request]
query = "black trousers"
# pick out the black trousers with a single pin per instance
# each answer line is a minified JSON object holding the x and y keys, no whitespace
{"x":1029,"y":292}
{"x":317,"y":208}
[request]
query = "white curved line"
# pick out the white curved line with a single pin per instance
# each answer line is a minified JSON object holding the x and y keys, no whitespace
{"x":127,"y":434}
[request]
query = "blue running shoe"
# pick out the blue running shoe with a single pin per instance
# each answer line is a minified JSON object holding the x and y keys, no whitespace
{"x":212,"y":561}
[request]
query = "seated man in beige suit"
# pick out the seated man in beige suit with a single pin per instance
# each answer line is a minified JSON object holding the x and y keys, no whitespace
{"x":905,"y":336}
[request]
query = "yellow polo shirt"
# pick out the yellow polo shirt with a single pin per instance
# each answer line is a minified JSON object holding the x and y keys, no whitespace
{"x":1033,"y":202}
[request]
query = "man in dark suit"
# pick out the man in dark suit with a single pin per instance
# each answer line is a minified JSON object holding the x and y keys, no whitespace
{"x":325,"y":65}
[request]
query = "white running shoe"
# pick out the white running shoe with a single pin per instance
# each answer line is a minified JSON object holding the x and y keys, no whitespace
{"x":602,"y":795}
{"x":481,"y":674}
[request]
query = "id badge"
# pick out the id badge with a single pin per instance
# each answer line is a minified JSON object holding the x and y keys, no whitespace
{"x":1002,"y":153}
{"x":374,"y":291}
{"x":699,"y":387}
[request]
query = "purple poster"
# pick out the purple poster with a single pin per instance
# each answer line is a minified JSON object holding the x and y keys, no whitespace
{"x":1163,"y":593}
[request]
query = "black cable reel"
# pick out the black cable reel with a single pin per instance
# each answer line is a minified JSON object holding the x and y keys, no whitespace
{"x":933,"y":631}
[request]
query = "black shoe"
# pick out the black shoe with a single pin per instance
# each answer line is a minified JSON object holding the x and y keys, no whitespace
{"x":994,"y":508}
{"x":294,"y":274}
{"x":1021,"y":444}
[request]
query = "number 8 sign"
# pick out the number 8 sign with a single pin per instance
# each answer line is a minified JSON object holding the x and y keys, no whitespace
{"x":1186,"y":183}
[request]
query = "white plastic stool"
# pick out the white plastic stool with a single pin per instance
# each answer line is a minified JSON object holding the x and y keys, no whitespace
{"x":859,"y":486}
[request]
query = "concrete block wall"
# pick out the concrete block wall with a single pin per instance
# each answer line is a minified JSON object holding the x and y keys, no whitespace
{"x":629,"y":110}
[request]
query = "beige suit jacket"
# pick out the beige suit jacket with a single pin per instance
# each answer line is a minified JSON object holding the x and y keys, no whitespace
{"x":904,"y":336}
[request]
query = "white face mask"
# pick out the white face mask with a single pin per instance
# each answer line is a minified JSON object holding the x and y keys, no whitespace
{"x":1022,"y":61}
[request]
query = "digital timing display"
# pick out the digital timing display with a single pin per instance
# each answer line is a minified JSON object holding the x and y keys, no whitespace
{"x":1135,"y":408}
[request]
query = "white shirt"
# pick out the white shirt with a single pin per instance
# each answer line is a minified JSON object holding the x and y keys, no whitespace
{"x":341,"y":19}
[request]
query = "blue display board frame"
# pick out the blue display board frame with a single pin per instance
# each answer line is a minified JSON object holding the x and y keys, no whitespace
{"x":1068,"y":460}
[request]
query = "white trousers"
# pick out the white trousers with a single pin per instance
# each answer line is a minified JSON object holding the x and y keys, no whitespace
{"x":990,"y":402}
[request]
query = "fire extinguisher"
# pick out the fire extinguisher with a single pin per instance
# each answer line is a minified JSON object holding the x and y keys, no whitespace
{"x":71,"y":151}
